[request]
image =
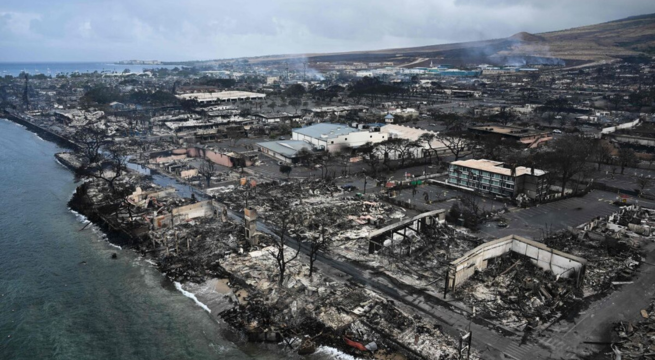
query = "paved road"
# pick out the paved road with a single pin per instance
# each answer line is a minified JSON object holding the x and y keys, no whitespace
{"x":595,"y":323}
{"x":490,"y":343}
{"x":627,"y":181}
{"x":535,"y":221}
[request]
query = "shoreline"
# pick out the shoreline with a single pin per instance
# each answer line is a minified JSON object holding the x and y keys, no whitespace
{"x":44,"y":134}
{"x":211,"y":302}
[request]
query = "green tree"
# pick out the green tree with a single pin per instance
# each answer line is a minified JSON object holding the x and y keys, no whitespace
{"x":286,"y":169}
{"x":295,"y":91}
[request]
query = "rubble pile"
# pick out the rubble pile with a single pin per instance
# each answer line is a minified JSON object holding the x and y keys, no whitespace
{"x":516,"y":293}
{"x":635,"y":341}
{"x":421,"y":261}
{"x":390,"y":329}
{"x":192,"y":252}
{"x":612,"y":249}
{"x":297,"y":190}
{"x":105,"y":204}
{"x":429,"y":254}
{"x":302,"y":309}
{"x":321,"y":207}
{"x":323,"y":310}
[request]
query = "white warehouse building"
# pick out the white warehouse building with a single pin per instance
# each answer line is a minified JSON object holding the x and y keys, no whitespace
{"x":334,"y":137}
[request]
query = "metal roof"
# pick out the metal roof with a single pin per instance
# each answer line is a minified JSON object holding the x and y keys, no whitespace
{"x":325,"y":130}
{"x":286,"y":148}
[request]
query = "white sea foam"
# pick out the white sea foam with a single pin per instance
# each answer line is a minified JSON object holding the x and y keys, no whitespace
{"x":40,"y":138}
{"x":191,"y":296}
{"x":59,"y":162}
{"x":83,"y":219}
{"x":333,"y":353}
{"x":151,"y":262}
{"x":114,"y":245}
{"x":15,"y":123}
{"x":96,"y":230}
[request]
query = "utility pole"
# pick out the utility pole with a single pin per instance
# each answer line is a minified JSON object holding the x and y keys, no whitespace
{"x":465,"y":345}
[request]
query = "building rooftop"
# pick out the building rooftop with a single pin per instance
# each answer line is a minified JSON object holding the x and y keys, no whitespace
{"x":508,"y":130}
{"x":411,"y":134}
{"x":496,"y":167}
{"x":223,"y":95}
{"x":325,"y":130}
{"x":276,"y":115}
{"x":287,"y":148}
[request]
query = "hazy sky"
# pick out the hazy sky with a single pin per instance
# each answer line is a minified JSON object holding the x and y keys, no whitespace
{"x":88,"y":30}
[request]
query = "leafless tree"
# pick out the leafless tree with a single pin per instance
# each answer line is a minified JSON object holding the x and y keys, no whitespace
{"x":90,"y":140}
{"x":207,"y":169}
{"x":109,"y":166}
{"x":566,"y":158}
{"x":283,"y":254}
{"x":320,"y":242}
{"x":627,"y":158}
{"x":306,"y":157}
{"x":455,"y":142}
{"x":403,"y":148}
{"x":602,"y":152}
{"x":370,"y":157}
{"x":643,"y":182}
{"x":325,"y":160}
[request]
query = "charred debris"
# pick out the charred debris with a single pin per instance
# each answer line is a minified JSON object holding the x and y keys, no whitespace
{"x":514,"y":292}
{"x":278,"y":293}
{"x":634,"y":340}
{"x":194,"y":241}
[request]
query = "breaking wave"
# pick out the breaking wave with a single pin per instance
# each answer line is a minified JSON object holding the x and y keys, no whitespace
{"x":15,"y":123}
{"x":96,"y":230}
{"x":334,"y":353}
{"x":59,"y":162}
{"x":151,"y":262}
{"x":191,"y":296}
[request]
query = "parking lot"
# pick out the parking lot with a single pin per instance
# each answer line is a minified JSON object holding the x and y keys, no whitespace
{"x":536,"y":221}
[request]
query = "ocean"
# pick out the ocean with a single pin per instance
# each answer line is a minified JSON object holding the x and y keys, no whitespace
{"x":54,"y":68}
{"x":63,"y":297}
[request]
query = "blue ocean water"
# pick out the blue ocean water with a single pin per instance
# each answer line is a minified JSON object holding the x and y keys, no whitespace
{"x":61,"y":294}
{"x":54,"y":68}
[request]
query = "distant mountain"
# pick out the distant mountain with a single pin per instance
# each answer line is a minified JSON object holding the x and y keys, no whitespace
{"x":601,"y":42}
